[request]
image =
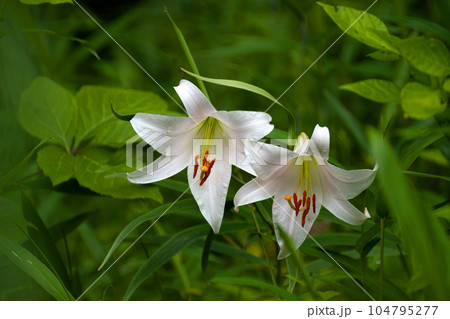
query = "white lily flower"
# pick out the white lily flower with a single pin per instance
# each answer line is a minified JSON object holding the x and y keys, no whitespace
{"x":301,"y":182}
{"x":207,"y":142}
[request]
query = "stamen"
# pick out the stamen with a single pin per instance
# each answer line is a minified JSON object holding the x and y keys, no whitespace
{"x":207,"y":171}
{"x":289,"y":200}
{"x":314,"y":203}
{"x":304,"y":218}
{"x":306,"y":211}
{"x":295,"y":200}
{"x":304,"y":198}
{"x":196,"y":165}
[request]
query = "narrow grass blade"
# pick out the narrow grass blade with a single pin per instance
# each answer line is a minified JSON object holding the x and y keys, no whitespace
{"x":187,"y":52}
{"x":34,"y":268}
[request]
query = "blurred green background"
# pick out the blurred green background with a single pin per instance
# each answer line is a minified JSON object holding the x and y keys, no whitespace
{"x":265,"y":43}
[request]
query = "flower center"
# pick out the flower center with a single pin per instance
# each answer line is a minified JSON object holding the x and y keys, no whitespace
{"x":303,"y":204}
{"x":205,"y":168}
{"x":208,"y":128}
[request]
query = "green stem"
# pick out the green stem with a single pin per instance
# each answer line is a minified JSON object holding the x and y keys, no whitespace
{"x":258,"y":229}
{"x":381,"y":257}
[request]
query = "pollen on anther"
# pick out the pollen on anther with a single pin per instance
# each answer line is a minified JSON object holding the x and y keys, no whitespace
{"x":204,"y":168}
{"x":288,"y":197}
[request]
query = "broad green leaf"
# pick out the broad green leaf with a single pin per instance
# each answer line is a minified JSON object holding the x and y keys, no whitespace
{"x":384,"y":56}
{"x":164,"y":254}
{"x":34,"y":268}
{"x":166,"y":209}
{"x":256,"y":283}
{"x":45,"y":1}
{"x":376,"y":90}
{"x":92,"y":171}
{"x":187,"y":53}
{"x":48,"y":110}
{"x":428,"y":55}
{"x":7,"y":177}
{"x":56,"y":164}
{"x":428,"y":248}
{"x":253,"y":89}
{"x":175,"y":185}
{"x":41,"y":239}
{"x":362,"y":26}
{"x":446,"y":85}
{"x":420,"y":101}
{"x":97,"y":122}
{"x":426,"y":26}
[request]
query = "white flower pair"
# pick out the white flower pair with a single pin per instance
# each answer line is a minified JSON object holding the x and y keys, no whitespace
{"x":301,"y":181}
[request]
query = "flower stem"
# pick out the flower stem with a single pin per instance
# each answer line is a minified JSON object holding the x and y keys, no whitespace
{"x":381,"y":257}
{"x":258,"y":229}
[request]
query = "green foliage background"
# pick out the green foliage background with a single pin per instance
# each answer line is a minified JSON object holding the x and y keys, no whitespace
{"x":66,"y":207}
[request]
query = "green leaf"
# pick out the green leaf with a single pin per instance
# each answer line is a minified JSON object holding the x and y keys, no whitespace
{"x":166,"y":209}
{"x":348,"y":118}
{"x":253,"y":89}
{"x":66,"y":227}
{"x":164,"y":254}
{"x":46,"y":1}
{"x":48,"y":110}
{"x":92,"y":171}
{"x":206,"y":250}
{"x":367,"y":29}
{"x":409,"y":153}
{"x":384,"y":56}
{"x":446,"y":85}
{"x":256,"y":283}
{"x":97,"y":122}
{"x":428,"y":55}
{"x":422,"y":25}
{"x":428,"y":248}
{"x":56,"y":164}
{"x":40,"y":237}
{"x":7,"y":177}
{"x":34,"y":268}
{"x":420,"y":101}
{"x":187,"y":53}
{"x":420,"y":174}
{"x":353,"y":267}
{"x":376,"y":90}
{"x":235,"y":252}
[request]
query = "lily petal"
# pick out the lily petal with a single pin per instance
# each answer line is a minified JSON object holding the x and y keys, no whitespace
{"x":268,"y":161}
{"x":284,"y":215}
{"x":197,"y":105}
{"x":243,"y":124}
{"x":211,"y":196}
{"x":343,"y":209}
{"x":347,"y":184}
{"x":321,"y":139}
{"x":169,"y":135}
{"x":160,"y":169}
{"x":254,"y":191}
